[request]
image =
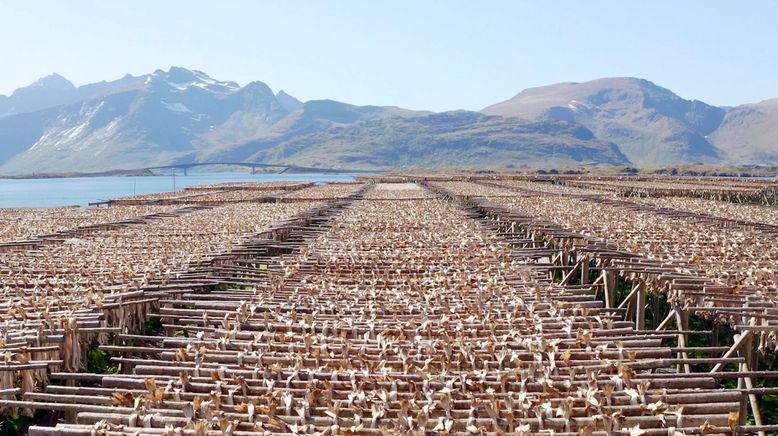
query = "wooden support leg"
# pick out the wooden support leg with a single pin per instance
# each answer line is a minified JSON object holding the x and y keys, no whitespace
{"x":609,"y":280}
{"x":585,"y":269}
{"x":748,"y":351}
{"x":556,"y":260}
{"x":666,"y":322}
{"x":743,"y":411}
{"x":640,"y":306}
{"x":596,"y":285}
{"x":604,"y":279}
{"x":754,"y":401}
{"x":70,"y":415}
{"x":740,"y":340}
{"x":564,"y":256}
{"x":630,"y":305}
{"x":682,"y":321}
{"x":612,"y":287}
{"x":742,"y":344}
{"x":628,"y":299}
{"x":569,"y":275}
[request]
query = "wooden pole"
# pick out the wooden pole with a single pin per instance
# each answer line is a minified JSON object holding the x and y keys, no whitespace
{"x":640,"y":306}
{"x":682,"y":321}
{"x":608,"y":278}
{"x":748,"y":350}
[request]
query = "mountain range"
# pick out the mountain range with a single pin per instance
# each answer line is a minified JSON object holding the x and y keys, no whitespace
{"x":184,"y":116}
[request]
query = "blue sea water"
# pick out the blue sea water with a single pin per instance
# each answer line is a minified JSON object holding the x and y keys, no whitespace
{"x":83,"y":190}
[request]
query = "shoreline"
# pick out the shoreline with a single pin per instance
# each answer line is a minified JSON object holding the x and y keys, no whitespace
{"x":112,"y":173}
{"x":689,"y":170}
{"x":149,"y":173}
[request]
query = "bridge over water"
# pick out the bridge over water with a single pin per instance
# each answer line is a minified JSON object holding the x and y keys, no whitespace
{"x":254,"y":165}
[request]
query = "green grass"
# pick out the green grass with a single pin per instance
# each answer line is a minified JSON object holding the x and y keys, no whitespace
{"x":153,"y":325}
{"x":12,"y":426}
{"x":99,"y":362}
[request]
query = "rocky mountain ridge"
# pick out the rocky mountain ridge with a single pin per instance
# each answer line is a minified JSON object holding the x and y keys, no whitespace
{"x":182,"y":116}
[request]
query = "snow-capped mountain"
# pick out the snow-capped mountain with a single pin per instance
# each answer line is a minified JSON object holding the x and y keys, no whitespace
{"x":133,"y":121}
{"x":183,"y":116}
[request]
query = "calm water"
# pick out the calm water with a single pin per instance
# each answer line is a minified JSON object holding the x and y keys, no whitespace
{"x":82,"y":190}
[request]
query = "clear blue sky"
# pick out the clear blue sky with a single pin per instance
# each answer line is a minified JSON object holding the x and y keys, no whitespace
{"x":419,"y":54}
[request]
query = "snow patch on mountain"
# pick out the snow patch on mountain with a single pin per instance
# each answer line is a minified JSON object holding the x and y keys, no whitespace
{"x":61,"y":135}
{"x":176,"y":107}
{"x":182,"y":80}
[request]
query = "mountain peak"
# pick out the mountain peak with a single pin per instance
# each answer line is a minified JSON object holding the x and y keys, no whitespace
{"x":180,"y":74}
{"x":53,"y":81}
{"x":651,"y":124}
{"x":191,"y":115}
{"x":184,"y":79}
{"x":595,"y":86}
{"x":288,"y":102}
{"x":283,"y":94}
{"x":48,"y":91}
